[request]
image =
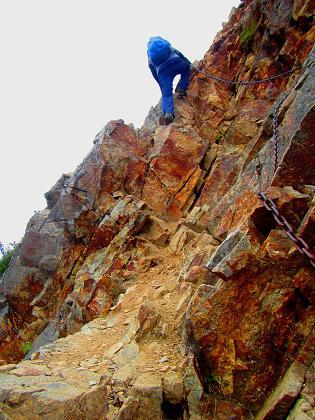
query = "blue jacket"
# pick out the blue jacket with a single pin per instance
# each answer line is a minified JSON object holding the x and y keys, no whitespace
{"x":173,"y":58}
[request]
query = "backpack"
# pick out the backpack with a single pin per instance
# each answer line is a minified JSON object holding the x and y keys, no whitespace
{"x":159,"y":50}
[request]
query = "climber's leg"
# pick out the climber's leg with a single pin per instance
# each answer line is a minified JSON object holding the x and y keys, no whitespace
{"x":166,"y":85}
{"x":184,"y":78}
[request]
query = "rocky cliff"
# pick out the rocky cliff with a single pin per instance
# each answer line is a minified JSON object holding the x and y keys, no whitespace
{"x":156,"y":284}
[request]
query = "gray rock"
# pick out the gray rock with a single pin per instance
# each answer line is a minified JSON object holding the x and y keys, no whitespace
{"x":152,"y":119}
{"x":53,"y":195}
{"x":173,"y":387}
{"x":50,"y":398}
{"x":128,"y":410}
{"x":126,"y":354}
{"x":148,"y":390}
{"x":193,"y":388}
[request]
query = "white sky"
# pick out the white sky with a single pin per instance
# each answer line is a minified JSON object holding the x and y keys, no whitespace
{"x":70,"y":66}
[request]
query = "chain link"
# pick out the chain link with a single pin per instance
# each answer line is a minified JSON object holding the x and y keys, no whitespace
{"x":245,"y":82}
{"x":254,"y":82}
{"x":281,"y":221}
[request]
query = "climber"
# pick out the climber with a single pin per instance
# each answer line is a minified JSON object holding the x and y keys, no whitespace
{"x":165,"y":63}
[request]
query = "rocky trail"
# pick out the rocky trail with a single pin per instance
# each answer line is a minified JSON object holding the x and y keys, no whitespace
{"x":135,"y":351}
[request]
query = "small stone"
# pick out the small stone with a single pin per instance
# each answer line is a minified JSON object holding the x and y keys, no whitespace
{"x":7,"y":368}
{"x":148,"y":390}
{"x":164,"y":330}
{"x":32,"y":371}
{"x":110,"y":323}
{"x":128,"y":409}
{"x":113,"y":366}
{"x":116,"y":307}
{"x":128,"y":353}
{"x":89,"y":363}
{"x":92,"y":383}
{"x":124,"y":375}
{"x":149,"y":386}
{"x":117,"y":194}
{"x":121,"y":398}
{"x":164,"y":359}
{"x":114,"y":349}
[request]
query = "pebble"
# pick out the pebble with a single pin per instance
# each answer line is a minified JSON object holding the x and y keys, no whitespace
{"x":164,"y":330}
{"x":110,"y":323}
{"x":114,"y":349}
{"x":121,"y":398}
{"x":164,"y":359}
{"x":92,"y":383}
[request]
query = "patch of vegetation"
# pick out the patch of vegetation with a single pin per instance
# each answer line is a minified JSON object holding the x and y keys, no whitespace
{"x":213,"y":379}
{"x":248,"y":33}
{"x":26,"y":347}
{"x":6,"y":255}
{"x":215,"y":384}
{"x":219,"y":137}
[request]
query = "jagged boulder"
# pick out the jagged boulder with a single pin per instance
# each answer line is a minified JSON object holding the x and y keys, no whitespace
{"x":173,"y":171}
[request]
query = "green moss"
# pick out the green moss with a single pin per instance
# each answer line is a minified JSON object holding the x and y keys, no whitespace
{"x":219,"y":137}
{"x":26,"y":347}
{"x":248,"y":33}
{"x":213,"y":379}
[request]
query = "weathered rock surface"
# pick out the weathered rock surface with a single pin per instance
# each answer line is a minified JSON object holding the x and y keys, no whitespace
{"x":156,"y":284}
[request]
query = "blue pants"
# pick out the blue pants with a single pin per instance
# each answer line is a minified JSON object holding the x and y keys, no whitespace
{"x":166,"y":77}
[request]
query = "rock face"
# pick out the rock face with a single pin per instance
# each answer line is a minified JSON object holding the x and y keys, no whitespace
{"x":156,"y":284}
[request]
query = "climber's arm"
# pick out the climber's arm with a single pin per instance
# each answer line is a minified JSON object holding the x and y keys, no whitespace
{"x":154,"y":73}
{"x":181,"y":55}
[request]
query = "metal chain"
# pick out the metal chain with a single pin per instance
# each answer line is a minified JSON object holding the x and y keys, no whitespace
{"x":254,"y":82}
{"x":281,"y":221}
{"x":246,"y":82}
{"x":300,"y":244}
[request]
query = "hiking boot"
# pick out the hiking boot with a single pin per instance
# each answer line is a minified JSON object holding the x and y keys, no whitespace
{"x":181,"y":93}
{"x":169,"y":118}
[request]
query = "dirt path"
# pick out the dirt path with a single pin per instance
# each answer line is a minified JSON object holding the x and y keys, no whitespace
{"x":139,"y":336}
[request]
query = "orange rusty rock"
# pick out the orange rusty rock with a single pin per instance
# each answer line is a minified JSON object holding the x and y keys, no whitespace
{"x":298,"y":163}
{"x":102,"y":236}
{"x":262,"y":324}
{"x":303,"y":8}
{"x":276,"y":246}
{"x":172,"y":172}
{"x":182,"y":197}
{"x":222,"y":174}
{"x":102,"y":299}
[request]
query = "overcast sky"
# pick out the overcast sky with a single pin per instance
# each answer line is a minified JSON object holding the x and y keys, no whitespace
{"x":70,"y":66}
